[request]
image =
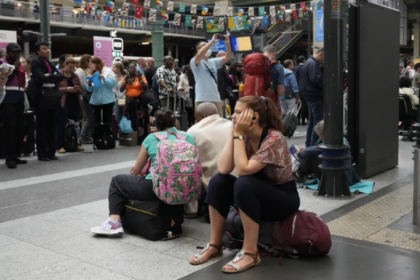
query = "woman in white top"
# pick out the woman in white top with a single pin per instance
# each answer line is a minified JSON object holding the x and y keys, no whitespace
{"x":120,"y":72}
{"x":406,"y":88}
{"x":184,"y":93}
{"x":88,"y":117}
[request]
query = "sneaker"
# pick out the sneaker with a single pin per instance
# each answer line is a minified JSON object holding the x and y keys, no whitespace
{"x":109,"y":228}
{"x":80,"y":149}
{"x":62,"y":151}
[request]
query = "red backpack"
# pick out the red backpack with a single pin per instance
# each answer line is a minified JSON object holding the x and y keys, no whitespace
{"x":306,"y":234}
{"x":258,"y":77}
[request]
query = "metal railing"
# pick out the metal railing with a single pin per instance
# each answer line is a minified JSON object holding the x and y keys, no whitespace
{"x":297,"y":29}
{"x":65,"y":14}
{"x":416,"y":183}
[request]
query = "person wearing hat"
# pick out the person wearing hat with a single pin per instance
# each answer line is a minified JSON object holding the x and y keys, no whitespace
{"x":12,"y":107}
{"x":44,"y":76}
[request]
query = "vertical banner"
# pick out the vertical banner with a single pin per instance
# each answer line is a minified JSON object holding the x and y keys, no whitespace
{"x":265,"y":21}
{"x":164,"y":16}
{"x":229,"y":11}
{"x":152,"y":14}
{"x":216,"y":11}
{"x":147,"y":3}
{"x":251,"y":11}
{"x":188,"y":21}
{"x":135,"y":2}
{"x":139,"y":12}
{"x":282,"y":8}
{"x":301,"y":13}
{"x":159,"y":4}
{"x":319,"y":24}
{"x":240,"y":12}
{"x":102,"y":48}
{"x":288,"y":16}
{"x":204,"y":11}
{"x":170,"y":6}
{"x":231,"y":23}
{"x":281,"y":18}
{"x":273,"y":20}
{"x":221,"y":23}
{"x":294,"y":15}
{"x":257,"y":23}
{"x":261,"y":11}
{"x":194,"y":9}
{"x":200,"y":22}
{"x":272,"y":11}
{"x":182,"y":8}
{"x":177,"y":19}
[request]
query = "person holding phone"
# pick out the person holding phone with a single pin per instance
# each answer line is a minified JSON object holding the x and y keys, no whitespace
{"x":70,"y":102}
{"x":205,"y":72}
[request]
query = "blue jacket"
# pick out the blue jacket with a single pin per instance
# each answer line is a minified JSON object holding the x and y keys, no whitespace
{"x":311,"y":80}
{"x":277,"y":75}
{"x":103,"y":94}
{"x":290,"y":82}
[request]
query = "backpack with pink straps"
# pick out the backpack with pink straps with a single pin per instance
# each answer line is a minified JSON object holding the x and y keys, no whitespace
{"x":176,"y":172}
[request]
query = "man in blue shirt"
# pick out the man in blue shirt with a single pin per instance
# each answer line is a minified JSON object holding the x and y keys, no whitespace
{"x":276,"y":71}
{"x":141,"y":65}
{"x":205,"y":73}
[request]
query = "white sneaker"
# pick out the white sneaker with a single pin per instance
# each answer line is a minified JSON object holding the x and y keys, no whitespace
{"x":109,"y":228}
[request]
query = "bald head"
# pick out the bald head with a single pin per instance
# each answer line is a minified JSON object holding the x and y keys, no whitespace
{"x":221,"y":54}
{"x":204,"y":110}
{"x":141,"y":62}
{"x":151,"y":62}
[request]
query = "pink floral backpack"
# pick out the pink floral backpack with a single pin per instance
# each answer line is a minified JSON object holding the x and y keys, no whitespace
{"x":176,"y":172}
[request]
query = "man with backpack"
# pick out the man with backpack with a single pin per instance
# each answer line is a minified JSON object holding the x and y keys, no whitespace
{"x":311,"y":88}
{"x":205,"y":72}
{"x":276,"y":70}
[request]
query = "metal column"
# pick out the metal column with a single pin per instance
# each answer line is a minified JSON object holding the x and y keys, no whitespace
{"x":416,"y":196}
{"x":157,"y":37}
{"x":335,"y":156}
{"x":45,"y":20}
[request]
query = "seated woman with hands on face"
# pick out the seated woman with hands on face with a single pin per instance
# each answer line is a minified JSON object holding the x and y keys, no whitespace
{"x":264,"y":190}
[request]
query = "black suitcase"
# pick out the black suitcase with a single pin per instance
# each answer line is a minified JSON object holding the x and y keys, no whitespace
{"x":180,"y":114}
{"x":154,"y":219}
{"x":28,"y":141}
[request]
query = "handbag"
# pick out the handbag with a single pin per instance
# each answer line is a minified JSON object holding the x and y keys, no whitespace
{"x":121,"y":102}
{"x":147,"y":97}
{"x":125,"y":125}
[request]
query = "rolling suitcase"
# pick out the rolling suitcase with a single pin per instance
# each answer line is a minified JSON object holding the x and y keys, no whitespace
{"x":291,"y":121}
{"x":28,"y":141}
{"x":181,"y":114}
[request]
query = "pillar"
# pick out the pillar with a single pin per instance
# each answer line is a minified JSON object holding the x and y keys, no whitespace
{"x":26,"y":50}
{"x":416,"y":46}
{"x":157,"y":37}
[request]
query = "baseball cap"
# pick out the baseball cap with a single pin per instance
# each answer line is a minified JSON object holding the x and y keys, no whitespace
{"x":11,"y":47}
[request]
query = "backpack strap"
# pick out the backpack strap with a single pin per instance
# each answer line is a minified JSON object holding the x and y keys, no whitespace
{"x":180,"y":136}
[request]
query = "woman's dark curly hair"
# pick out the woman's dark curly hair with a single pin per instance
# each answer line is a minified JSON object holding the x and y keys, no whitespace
{"x":165,"y":119}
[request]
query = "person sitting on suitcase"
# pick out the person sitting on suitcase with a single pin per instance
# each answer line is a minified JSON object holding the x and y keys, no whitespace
{"x":137,"y":186}
{"x":264,"y":190}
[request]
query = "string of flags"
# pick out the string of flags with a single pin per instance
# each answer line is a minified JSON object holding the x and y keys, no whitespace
{"x":236,"y":18}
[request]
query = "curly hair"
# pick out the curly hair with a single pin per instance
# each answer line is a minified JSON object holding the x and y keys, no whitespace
{"x":165,"y":119}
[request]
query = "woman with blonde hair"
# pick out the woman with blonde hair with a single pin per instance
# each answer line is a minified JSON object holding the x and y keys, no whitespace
{"x":120,"y":72}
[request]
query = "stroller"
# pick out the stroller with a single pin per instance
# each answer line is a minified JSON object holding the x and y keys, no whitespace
{"x":407,"y":117}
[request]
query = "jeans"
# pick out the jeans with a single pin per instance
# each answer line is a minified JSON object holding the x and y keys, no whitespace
{"x":88,"y":120}
{"x":118,"y":111}
{"x":287,"y":105}
{"x":316,"y":114}
{"x":68,"y":112}
{"x":12,"y":116}
{"x":103,"y":113}
{"x":260,"y":200}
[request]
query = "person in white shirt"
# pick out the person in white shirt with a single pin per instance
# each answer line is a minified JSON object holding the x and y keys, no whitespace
{"x":211,"y":134}
{"x":205,"y":72}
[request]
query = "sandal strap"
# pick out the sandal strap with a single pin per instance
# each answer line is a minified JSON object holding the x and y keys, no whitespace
{"x":219,"y":248}
{"x":254,"y":256}
{"x":234,"y":265}
{"x":241,"y":254}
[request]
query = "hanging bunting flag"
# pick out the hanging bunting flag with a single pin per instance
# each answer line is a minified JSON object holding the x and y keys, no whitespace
{"x":294,"y":15}
{"x":281,"y":19}
{"x":273,"y":20}
{"x":204,"y":11}
{"x":240,"y":12}
{"x":147,"y":3}
{"x":239,"y":23}
{"x":319,"y":5}
{"x":301,"y":13}
{"x":139,"y":12}
{"x":257,"y":23}
{"x":303,"y":5}
{"x":261,"y":11}
{"x":188,"y":20}
{"x":216,"y":11}
{"x":282,"y":8}
{"x":229,"y":11}
{"x":152,"y":14}
{"x":182,"y":8}
{"x":265,"y":21}
{"x":119,"y":22}
{"x":159,"y":4}
{"x":194,"y":9}
{"x":177,"y":19}
{"x":287,"y":16}
{"x":248,"y":23}
{"x":135,"y":2}
{"x":164,"y":16}
{"x":106,"y":18}
{"x":272,"y":11}
{"x":231,"y":23}
{"x":293,"y":7}
{"x":123,"y":23}
{"x":170,"y":6}
{"x":251,"y":11}
{"x":200,"y":22}
{"x":221,"y":23}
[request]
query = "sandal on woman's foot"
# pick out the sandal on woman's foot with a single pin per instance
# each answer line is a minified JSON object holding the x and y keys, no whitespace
{"x":200,"y":258}
{"x":239,"y":256}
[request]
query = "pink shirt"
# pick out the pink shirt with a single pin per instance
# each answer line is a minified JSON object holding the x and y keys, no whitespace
{"x":48,"y":65}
